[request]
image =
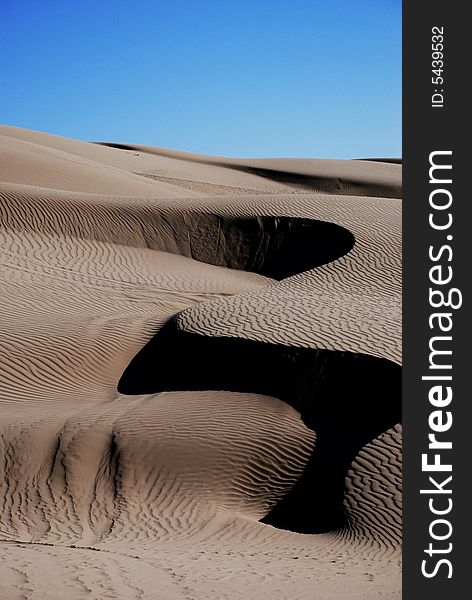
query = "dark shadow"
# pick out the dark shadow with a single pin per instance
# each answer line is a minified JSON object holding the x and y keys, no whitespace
{"x":326,"y":184}
{"x":276,"y":247}
{"x":347,"y":399}
{"x":394,"y":161}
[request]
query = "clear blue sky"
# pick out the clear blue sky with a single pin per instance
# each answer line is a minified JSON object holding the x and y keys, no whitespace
{"x":319,"y":78}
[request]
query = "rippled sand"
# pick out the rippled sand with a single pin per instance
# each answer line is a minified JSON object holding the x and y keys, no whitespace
{"x":278,"y":282}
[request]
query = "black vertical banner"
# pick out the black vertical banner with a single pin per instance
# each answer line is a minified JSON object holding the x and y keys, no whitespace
{"x":437,"y":393}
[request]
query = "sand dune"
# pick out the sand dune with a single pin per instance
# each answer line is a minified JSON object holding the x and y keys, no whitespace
{"x":199,"y":381}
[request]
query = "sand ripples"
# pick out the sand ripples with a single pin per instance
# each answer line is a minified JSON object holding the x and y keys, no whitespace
{"x":160,"y":495}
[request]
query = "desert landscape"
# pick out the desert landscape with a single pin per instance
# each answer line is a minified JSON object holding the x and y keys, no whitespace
{"x":200,"y":380}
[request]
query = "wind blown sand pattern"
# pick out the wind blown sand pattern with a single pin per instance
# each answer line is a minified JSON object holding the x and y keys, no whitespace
{"x":199,"y":380}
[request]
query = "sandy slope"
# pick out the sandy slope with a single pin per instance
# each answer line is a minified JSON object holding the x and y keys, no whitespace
{"x":160,"y":495}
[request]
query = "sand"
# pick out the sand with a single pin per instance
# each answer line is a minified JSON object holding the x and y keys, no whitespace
{"x":199,"y":381}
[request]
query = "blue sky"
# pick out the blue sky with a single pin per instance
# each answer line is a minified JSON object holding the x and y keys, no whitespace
{"x":315,"y":78}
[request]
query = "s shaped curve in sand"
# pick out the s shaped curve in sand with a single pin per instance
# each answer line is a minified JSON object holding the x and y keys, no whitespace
{"x":200,"y":374}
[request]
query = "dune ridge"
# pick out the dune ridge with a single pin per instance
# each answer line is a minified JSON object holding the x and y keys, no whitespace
{"x":167,"y":483}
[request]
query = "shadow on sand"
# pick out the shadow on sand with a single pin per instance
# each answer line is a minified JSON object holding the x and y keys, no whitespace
{"x":347,"y":399}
